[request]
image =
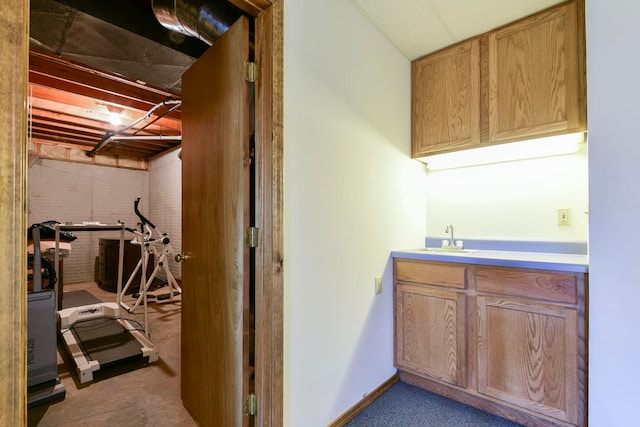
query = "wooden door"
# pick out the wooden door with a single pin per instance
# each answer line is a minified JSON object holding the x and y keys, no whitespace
{"x":216,"y":212}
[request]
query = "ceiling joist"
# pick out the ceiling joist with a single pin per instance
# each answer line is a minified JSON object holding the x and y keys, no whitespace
{"x":71,"y":106}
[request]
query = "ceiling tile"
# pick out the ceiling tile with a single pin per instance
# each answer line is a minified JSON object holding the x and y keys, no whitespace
{"x":419,"y":27}
{"x":468,"y":18}
{"x":412,"y":26}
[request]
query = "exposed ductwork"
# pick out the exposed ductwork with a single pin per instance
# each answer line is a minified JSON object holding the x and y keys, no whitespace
{"x":204,"y":19}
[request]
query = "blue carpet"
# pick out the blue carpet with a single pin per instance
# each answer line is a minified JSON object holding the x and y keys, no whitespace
{"x":408,"y":406}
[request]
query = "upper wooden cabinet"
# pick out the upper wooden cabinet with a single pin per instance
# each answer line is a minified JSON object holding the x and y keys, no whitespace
{"x":536,"y":76}
{"x":524,"y":80}
{"x":445,"y":100}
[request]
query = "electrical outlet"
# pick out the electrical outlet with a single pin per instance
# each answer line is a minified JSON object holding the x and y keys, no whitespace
{"x":378,"y":283}
{"x":564,"y":217}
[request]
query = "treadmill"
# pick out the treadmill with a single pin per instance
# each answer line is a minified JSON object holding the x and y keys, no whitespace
{"x":95,"y":335}
{"x":97,"y":338}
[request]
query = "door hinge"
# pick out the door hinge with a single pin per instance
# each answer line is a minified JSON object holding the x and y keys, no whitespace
{"x":250,"y":71}
{"x":250,"y":404}
{"x":251,"y":237}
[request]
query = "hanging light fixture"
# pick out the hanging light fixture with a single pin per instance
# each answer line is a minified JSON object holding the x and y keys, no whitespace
{"x":114,"y":115}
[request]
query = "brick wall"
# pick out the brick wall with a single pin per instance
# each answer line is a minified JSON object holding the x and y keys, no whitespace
{"x":165,"y":200}
{"x":73,"y":192}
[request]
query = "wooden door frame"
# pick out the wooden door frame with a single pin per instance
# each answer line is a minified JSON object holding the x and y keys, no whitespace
{"x":14,"y":54}
{"x":269,"y":209}
{"x":14,"y":45}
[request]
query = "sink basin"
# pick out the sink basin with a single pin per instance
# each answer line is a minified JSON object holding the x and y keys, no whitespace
{"x":450,"y":250}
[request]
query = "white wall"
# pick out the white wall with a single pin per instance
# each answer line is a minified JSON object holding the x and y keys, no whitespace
{"x":75,"y":192}
{"x":613,"y":67}
{"x":512,"y":201}
{"x":351,"y":195}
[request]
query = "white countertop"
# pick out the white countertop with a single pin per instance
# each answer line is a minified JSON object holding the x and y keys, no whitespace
{"x":577,"y":263}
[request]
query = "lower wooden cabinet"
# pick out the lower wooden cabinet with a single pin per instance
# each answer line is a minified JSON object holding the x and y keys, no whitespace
{"x":431,"y":332}
{"x":527,"y":355}
{"x":507,"y":340}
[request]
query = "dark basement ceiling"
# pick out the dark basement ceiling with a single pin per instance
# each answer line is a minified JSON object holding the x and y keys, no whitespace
{"x":108,"y":46}
{"x":120,"y":36}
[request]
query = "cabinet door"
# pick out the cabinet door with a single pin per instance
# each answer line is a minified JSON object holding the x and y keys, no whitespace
{"x":527,"y":355}
{"x":445,"y":100}
{"x":430,"y":332}
{"x":536,"y":76}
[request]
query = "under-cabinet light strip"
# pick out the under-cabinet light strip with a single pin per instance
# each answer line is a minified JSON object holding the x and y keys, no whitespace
{"x":530,"y":149}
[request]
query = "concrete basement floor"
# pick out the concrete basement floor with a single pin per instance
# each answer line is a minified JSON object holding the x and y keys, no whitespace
{"x":147,"y":396}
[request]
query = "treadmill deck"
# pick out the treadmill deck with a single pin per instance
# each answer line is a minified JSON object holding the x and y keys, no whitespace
{"x":97,"y":338}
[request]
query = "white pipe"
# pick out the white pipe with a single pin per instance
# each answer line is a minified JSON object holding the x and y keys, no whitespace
{"x":176,"y":103}
{"x":147,"y":138}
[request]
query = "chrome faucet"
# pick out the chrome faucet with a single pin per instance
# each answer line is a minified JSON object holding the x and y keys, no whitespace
{"x":450,"y":230}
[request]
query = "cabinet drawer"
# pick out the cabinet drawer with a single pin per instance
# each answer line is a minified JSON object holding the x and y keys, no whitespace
{"x":538,"y":284}
{"x":430,"y":273}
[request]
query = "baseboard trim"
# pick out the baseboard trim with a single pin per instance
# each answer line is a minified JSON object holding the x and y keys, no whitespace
{"x":366,"y":401}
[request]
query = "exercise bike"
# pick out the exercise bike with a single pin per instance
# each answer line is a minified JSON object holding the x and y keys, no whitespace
{"x":152,"y":242}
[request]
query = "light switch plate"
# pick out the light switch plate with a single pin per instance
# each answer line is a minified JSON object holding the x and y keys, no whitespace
{"x":564,"y":217}
{"x":378,"y":283}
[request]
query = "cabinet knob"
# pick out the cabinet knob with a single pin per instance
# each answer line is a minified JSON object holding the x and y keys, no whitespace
{"x":181,"y":257}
